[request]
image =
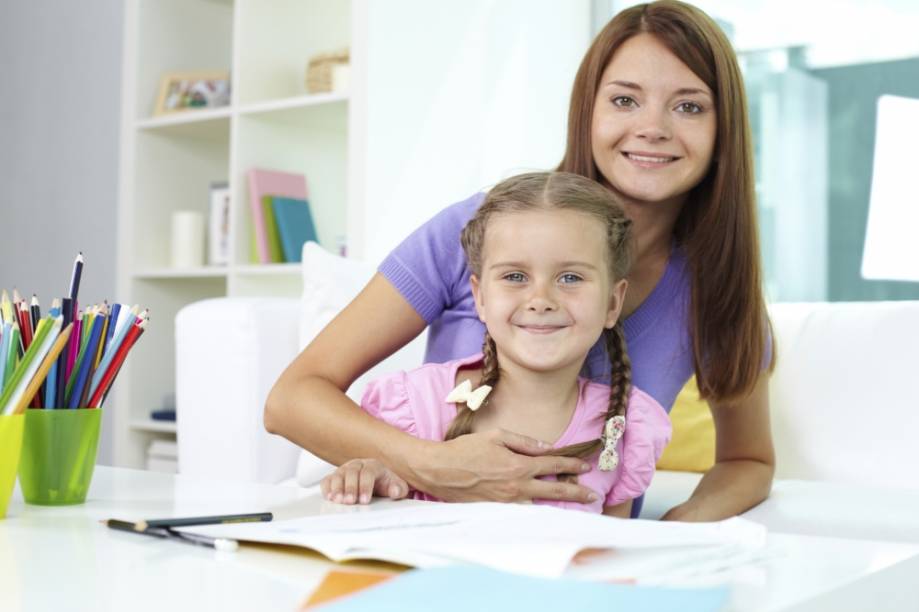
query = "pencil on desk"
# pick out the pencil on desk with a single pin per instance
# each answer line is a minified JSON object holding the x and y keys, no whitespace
{"x":50,"y":358}
{"x":220,"y":519}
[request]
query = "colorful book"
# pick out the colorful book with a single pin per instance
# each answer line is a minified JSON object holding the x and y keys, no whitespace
{"x":272,"y":183}
{"x":271,"y":231}
{"x":294,"y":224}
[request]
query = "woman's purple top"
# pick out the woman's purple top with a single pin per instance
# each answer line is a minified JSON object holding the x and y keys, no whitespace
{"x":429,"y":270}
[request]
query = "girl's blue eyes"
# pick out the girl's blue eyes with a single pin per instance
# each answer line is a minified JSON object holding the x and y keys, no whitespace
{"x":690,"y":108}
{"x":520,"y":277}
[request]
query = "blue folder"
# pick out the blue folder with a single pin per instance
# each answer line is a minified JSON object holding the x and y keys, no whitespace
{"x":295,"y":225}
{"x":465,"y":588}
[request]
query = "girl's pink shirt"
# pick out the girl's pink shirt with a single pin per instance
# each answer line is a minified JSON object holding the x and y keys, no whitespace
{"x":414,"y":402}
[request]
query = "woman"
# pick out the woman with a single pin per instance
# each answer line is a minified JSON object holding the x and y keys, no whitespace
{"x":658,"y":115}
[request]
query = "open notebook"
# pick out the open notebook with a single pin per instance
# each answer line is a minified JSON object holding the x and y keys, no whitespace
{"x":527,"y":539}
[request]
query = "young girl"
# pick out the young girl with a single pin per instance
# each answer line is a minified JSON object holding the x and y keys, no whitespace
{"x":548,"y":253}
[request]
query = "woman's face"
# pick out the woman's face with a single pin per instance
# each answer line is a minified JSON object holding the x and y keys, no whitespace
{"x":653,"y":126}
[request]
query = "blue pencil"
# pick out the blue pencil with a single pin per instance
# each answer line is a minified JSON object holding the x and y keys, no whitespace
{"x":4,"y":350}
{"x":50,"y":385}
{"x":111,"y":349}
{"x":112,"y":322}
{"x":92,"y":345}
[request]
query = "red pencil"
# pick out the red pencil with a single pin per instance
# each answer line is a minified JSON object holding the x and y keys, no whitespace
{"x":25,"y":325}
{"x":130,"y":338}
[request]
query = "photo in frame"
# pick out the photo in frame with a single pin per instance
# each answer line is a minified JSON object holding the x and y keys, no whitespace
{"x":183,"y":91}
{"x":218,"y":234}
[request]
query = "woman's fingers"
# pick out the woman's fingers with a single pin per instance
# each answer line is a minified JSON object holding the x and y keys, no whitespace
{"x":558,"y":491}
{"x":524,"y":445}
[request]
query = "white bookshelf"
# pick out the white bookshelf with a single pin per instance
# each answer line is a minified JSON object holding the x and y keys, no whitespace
{"x":168,"y":163}
{"x":444,"y":99}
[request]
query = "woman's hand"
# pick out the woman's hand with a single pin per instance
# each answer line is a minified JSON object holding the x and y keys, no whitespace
{"x":497,"y":465}
{"x":358,"y":480}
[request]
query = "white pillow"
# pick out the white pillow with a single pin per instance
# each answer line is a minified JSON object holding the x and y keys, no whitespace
{"x":330,"y":283}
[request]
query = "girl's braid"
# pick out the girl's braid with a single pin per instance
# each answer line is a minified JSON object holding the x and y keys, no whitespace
{"x":462,"y":424}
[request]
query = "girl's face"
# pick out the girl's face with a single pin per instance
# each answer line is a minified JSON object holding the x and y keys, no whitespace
{"x":545,"y":292}
{"x":654,"y":124}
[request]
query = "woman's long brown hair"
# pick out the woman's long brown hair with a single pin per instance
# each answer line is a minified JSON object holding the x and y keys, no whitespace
{"x":717,"y":227}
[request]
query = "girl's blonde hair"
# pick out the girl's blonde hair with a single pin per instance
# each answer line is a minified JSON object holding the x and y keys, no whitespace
{"x":555,"y":191}
{"x":717,"y":228}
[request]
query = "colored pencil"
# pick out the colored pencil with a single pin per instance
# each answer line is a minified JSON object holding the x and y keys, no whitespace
{"x":111,"y":351}
{"x":105,"y":325}
{"x":25,"y":325}
{"x":101,"y":320}
{"x":4,"y":350}
{"x":35,"y":311}
{"x":85,"y":360}
{"x":16,"y":384}
{"x":113,"y":322}
{"x":75,"y":277}
{"x":12,"y":356}
{"x":191,"y":521}
{"x":108,"y":378}
{"x":6,"y":308}
{"x":61,"y":371}
{"x":73,"y":352}
{"x":49,"y":360}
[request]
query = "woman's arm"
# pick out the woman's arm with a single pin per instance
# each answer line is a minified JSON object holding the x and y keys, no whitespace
{"x":744,"y":461}
{"x":308,"y":406}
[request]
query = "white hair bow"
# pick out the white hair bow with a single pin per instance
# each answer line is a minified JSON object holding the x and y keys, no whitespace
{"x":612,"y":432}
{"x":464,"y":393}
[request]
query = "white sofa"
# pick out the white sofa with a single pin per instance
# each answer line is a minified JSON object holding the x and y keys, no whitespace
{"x":845,"y":402}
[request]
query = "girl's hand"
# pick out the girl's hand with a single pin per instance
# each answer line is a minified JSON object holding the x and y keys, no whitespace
{"x":497,"y":465}
{"x":360,"y":479}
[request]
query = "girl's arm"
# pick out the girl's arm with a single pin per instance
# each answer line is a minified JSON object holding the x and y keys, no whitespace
{"x":744,"y":461}
{"x":308,"y":406}
{"x":623,"y":510}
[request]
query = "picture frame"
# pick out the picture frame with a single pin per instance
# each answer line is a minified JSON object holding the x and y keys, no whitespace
{"x":184,"y":91}
{"x":218,"y":235}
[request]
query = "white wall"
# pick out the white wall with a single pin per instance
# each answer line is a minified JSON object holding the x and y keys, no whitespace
{"x":470,"y":92}
{"x":60,"y":70}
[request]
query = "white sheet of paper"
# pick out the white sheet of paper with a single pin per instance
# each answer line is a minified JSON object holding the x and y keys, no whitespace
{"x":528,"y":539}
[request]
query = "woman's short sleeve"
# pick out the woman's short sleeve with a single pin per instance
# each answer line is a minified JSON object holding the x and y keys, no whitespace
{"x":387,"y":400}
{"x":429,"y":268}
{"x":647,"y":432}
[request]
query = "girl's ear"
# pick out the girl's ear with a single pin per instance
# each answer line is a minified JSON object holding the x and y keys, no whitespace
{"x":477,"y":296}
{"x":616,"y":300}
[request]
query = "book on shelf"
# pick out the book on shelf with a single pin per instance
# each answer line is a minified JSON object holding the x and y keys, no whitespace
{"x":263,"y":183}
{"x":271,"y":230}
{"x":295,"y":226}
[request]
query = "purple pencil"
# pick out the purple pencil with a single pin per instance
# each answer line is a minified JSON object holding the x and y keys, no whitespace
{"x":74,"y":348}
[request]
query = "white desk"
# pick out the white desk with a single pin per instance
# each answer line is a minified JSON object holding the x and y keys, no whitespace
{"x":63,"y":559}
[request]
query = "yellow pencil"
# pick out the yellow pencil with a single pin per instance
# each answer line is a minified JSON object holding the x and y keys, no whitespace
{"x":42,"y":372}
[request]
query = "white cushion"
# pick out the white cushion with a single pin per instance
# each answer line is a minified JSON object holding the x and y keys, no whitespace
{"x":844,"y":396}
{"x":229,"y":353}
{"x":330,"y":283}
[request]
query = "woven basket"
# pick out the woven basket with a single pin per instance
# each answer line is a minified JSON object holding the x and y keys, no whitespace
{"x":319,"y":70}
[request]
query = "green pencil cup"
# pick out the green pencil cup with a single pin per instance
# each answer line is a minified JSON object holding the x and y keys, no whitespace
{"x":10,"y":447}
{"x":58,"y":455}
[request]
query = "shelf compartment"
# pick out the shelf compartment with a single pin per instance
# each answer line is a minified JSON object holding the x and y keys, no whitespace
{"x":181,"y":273}
{"x":278,"y":50}
{"x":284,"y":269}
{"x":154,"y":426}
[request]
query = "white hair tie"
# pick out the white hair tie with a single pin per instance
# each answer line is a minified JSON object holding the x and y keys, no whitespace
{"x":464,"y":393}
{"x":612,"y":432}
